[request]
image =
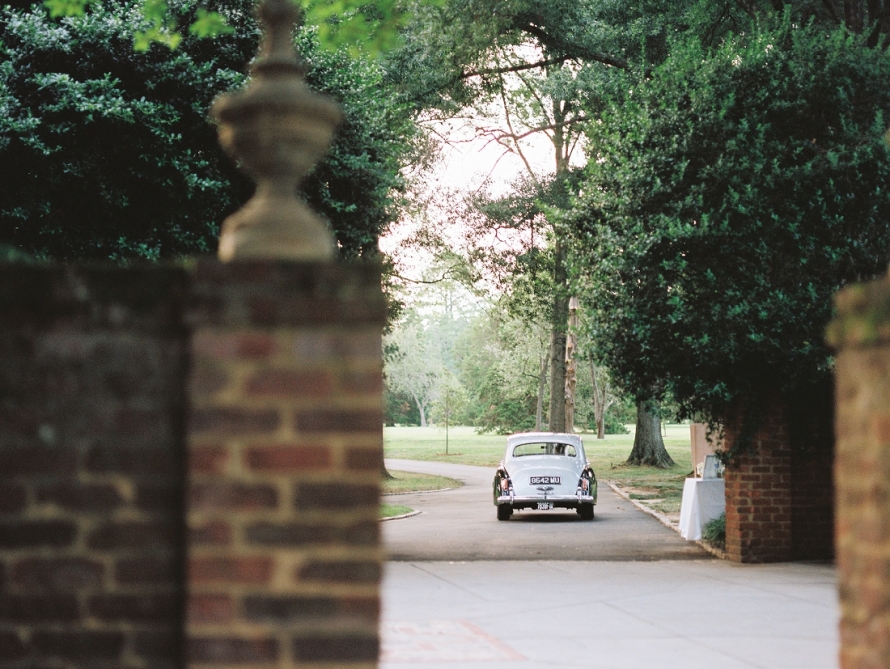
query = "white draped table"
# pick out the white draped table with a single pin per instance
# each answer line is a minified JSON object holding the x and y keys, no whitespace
{"x":703,"y":500}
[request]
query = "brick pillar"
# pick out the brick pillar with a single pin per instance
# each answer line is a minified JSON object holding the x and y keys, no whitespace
{"x":861,"y":333}
{"x":285,"y":441}
{"x":91,"y":467}
{"x":758,"y":493}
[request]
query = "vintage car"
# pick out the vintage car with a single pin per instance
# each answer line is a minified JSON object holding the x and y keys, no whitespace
{"x":544,"y":471}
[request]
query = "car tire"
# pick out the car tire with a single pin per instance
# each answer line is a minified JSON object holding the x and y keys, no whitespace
{"x":586,"y":511}
{"x":504,"y":511}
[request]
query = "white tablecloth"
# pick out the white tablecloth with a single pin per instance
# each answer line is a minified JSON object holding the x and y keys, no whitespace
{"x":703,"y":500}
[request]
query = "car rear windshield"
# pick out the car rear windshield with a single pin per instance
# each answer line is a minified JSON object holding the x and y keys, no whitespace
{"x":544,"y":448}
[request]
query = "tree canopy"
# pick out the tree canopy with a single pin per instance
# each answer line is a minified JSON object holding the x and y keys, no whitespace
{"x":728,"y":196}
{"x":106,"y":153}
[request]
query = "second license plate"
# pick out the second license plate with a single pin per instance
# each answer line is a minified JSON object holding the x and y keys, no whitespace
{"x":545,"y":506}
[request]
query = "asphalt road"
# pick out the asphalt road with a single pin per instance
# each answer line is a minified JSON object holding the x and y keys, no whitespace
{"x":460,"y":524}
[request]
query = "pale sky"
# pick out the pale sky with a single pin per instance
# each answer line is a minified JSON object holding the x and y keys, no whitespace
{"x":465,"y":163}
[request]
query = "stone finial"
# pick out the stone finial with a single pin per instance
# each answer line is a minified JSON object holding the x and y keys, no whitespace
{"x":276,"y":128}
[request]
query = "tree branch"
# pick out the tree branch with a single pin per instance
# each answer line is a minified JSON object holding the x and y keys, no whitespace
{"x":514,"y":68}
{"x":582,"y":54}
{"x":552,"y":126}
{"x":518,"y":148}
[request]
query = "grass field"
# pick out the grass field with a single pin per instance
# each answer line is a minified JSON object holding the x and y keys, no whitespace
{"x":390,"y":510}
{"x":411,"y":482}
{"x":661,"y":489}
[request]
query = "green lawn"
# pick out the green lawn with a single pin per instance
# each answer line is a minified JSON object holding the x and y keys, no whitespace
{"x":411,"y":482}
{"x":390,"y":510}
{"x":607,"y":457}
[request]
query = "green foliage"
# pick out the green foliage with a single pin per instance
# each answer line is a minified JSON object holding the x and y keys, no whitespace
{"x":499,"y":364}
{"x":714,"y":532}
{"x":361,"y":27}
{"x":209,"y":24}
{"x":359,"y":185}
{"x":452,"y":404}
{"x":161,"y":27}
{"x":614,"y":425}
{"x":727,"y":199}
{"x":399,"y":408}
{"x":60,"y":8}
{"x":106,"y":153}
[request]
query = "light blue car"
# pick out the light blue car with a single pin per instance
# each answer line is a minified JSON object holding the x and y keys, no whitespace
{"x":544,"y":471}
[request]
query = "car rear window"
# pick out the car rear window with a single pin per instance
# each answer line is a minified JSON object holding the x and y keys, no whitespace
{"x":544,"y":448}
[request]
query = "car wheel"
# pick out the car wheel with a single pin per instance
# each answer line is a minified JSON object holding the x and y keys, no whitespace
{"x":586,"y":511}
{"x":504,"y":511}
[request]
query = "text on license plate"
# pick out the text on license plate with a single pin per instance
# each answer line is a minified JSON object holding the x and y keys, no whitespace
{"x":545,"y":506}
{"x":535,"y":480}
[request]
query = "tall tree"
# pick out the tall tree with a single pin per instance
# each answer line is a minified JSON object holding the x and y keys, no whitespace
{"x":413,"y":366}
{"x":502,"y":364}
{"x":106,"y":153}
{"x":546,"y":65}
{"x":541,"y":66}
{"x":729,"y":197}
{"x":648,"y":448}
{"x":603,"y":398}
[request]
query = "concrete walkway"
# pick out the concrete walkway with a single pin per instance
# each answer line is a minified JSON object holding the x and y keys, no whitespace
{"x":631,"y":609}
{"x":610,"y":615}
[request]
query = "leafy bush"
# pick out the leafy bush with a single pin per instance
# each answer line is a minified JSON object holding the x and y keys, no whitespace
{"x":714,"y":532}
{"x":107,"y":153}
{"x":730,"y":196}
{"x":613,"y":425}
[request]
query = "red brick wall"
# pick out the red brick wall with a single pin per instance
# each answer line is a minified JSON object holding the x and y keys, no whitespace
{"x":779,"y":500}
{"x":285,"y":440}
{"x":862,"y":335}
{"x":758,"y":494}
{"x":91,"y":468}
{"x":266,"y":379}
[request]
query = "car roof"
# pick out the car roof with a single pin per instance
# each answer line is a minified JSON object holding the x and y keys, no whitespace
{"x":554,"y":437}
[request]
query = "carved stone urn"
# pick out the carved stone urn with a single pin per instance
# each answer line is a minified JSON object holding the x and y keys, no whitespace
{"x":276,"y":128}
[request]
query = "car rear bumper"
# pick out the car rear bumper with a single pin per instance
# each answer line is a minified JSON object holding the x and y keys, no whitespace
{"x":558,"y":501}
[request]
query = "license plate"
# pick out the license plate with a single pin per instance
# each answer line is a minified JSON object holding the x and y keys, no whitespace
{"x":545,"y":506}
{"x":537,"y":480}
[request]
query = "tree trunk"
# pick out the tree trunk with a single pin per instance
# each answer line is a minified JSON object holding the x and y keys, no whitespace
{"x":648,"y":445}
{"x":853,"y":15}
{"x":542,"y":384}
{"x":558,"y":343}
{"x":571,"y":364}
{"x":420,"y":409}
{"x":560,"y":277}
{"x":600,"y":405}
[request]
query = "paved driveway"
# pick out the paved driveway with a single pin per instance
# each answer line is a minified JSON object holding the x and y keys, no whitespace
{"x":620,"y":592}
{"x":461,"y":525}
{"x":690,"y":614}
